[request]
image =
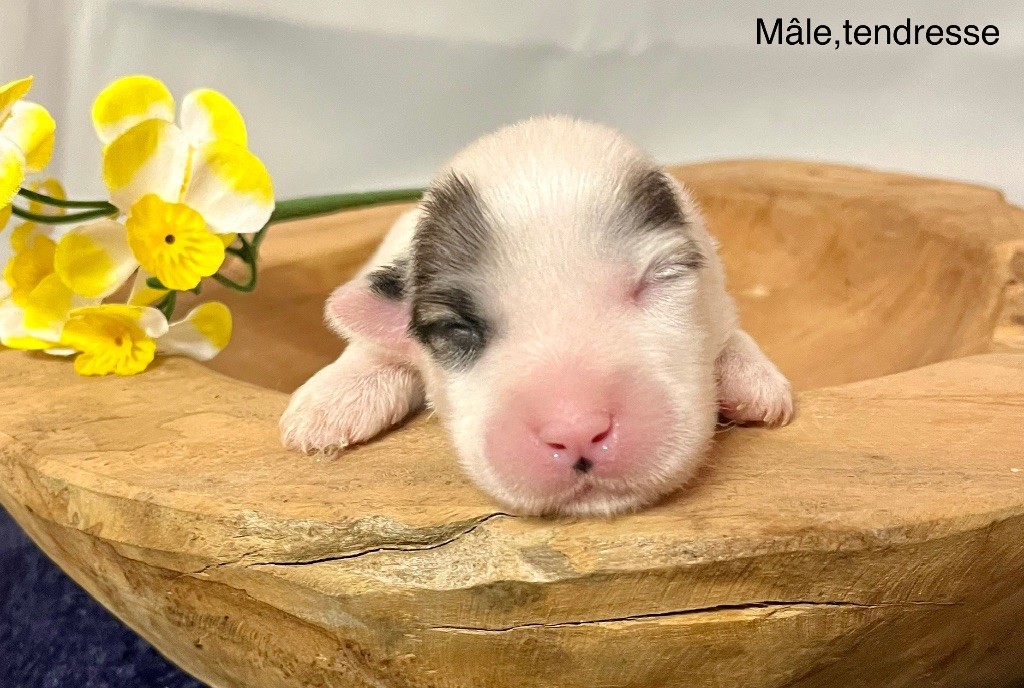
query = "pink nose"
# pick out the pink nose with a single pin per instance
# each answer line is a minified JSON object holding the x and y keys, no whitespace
{"x":580,"y":441}
{"x":562,"y":425}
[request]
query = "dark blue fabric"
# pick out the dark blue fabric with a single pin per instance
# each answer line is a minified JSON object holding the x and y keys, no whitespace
{"x":53,"y":635}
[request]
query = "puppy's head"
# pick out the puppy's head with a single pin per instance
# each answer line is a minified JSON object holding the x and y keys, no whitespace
{"x":554,"y":298}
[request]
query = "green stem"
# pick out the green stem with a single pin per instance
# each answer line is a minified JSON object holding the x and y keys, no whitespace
{"x":231,"y":284}
{"x":291,"y":209}
{"x":294,"y":208}
{"x":167,"y":304}
{"x":63,"y":219}
{"x":61,"y":203}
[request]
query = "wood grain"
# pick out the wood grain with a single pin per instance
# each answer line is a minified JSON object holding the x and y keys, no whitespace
{"x":877,"y":541}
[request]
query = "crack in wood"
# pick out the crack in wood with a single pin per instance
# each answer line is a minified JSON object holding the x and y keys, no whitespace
{"x":744,"y":606}
{"x":352,"y":555}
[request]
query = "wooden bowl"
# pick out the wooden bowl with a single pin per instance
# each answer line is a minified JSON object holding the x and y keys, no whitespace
{"x":878,"y":540}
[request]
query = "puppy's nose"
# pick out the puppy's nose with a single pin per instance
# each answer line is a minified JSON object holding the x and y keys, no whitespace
{"x":562,"y":423}
{"x":581,"y":443}
{"x":583,"y":465}
{"x":581,"y":437}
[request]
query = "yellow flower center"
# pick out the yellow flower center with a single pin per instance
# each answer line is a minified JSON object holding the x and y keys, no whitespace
{"x":172,"y":242}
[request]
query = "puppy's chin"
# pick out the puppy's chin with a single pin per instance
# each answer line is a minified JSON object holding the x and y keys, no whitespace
{"x":599,"y":502}
{"x":588,"y":497}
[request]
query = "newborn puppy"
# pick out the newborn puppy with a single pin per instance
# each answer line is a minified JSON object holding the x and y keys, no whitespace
{"x":557,"y":299}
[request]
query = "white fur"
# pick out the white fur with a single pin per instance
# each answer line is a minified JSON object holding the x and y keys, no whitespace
{"x":550,"y":281}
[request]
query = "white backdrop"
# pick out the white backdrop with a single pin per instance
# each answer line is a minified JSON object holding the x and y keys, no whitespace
{"x":344,"y":95}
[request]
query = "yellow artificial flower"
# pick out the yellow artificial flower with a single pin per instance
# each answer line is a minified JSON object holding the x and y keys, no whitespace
{"x":32,"y":247}
{"x":38,"y":301}
{"x":176,"y":184}
{"x":186,"y":191}
{"x":113,"y":338}
{"x":170,"y":240}
{"x":31,"y":263}
{"x":14,"y":335}
{"x":124,"y":339}
{"x":34,"y":301}
{"x":201,"y":334}
{"x":26,"y":138}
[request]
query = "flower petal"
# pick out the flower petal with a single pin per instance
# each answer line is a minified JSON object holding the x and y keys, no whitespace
{"x":12,"y":170}
{"x":142,"y":294}
{"x":207,"y":115}
{"x":5,"y":215}
{"x":128,"y":101}
{"x":201,"y":335}
{"x":27,"y":343}
{"x":13,"y":333}
{"x":31,"y":263}
{"x":110,"y":361}
{"x":50,"y":187}
{"x":152,"y":322}
{"x":12,"y":92}
{"x":230,"y":188}
{"x":59,"y":351}
{"x":47,"y":309}
{"x":31,"y":127}
{"x":25,"y":234}
{"x":151,"y":157}
{"x":95,"y":259}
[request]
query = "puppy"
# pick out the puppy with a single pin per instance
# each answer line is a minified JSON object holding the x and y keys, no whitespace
{"x":556,"y":298}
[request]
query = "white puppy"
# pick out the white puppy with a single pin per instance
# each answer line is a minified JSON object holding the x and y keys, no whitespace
{"x":557,"y":299}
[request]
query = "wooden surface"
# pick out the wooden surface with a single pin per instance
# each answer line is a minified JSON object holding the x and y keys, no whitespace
{"x":877,"y":541}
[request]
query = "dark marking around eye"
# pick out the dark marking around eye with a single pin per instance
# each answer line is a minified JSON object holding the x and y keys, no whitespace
{"x":389,"y":280}
{"x":449,"y":325}
{"x":448,"y":248}
{"x":650,"y":204}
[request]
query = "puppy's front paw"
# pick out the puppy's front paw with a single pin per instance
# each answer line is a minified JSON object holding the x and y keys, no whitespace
{"x":315,"y":426}
{"x":750,"y":388}
{"x":757,"y":396}
{"x":339,"y":407}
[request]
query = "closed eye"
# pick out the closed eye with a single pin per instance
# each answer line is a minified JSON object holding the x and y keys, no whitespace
{"x":447,"y":322}
{"x":452,"y":333}
{"x":454,"y":341}
{"x":666,"y":272}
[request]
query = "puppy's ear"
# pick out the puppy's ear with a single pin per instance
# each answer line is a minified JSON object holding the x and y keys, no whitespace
{"x":375,"y":307}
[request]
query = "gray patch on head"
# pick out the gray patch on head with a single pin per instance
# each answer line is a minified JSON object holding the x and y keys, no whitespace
{"x":651,"y":200}
{"x":649,"y":204}
{"x":451,"y":239}
{"x":451,"y":234}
